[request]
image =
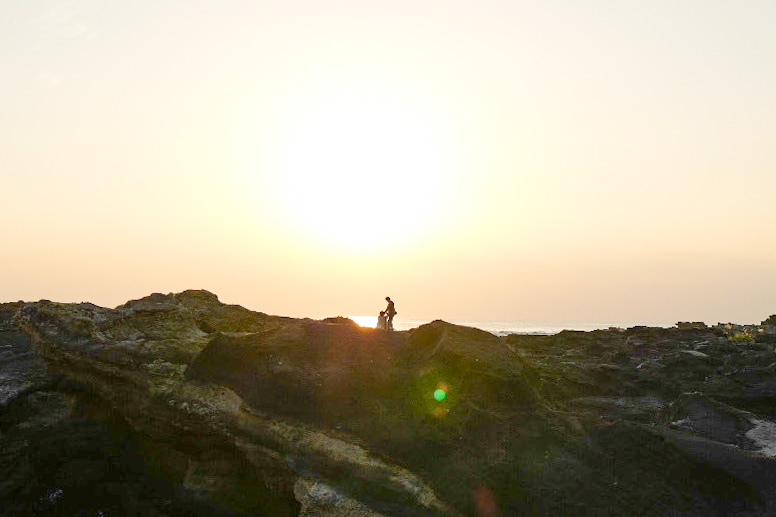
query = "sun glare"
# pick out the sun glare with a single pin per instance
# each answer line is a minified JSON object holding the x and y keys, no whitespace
{"x":359,"y":171}
{"x":365,"y":321}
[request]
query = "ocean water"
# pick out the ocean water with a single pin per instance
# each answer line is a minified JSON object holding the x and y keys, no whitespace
{"x":504,"y":327}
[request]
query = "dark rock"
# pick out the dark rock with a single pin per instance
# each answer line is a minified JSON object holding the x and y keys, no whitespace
{"x":21,"y":370}
{"x":63,"y":451}
{"x":640,"y":470}
{"x":698,"y":414}
{"x":178,"y":404}
{"x":378,"y":387}
{"x":684,"y":325}
{"x":766,"y":334}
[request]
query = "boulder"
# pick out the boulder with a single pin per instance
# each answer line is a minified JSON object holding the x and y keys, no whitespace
{"x":701,"y":415}
{"x":377,"y":389}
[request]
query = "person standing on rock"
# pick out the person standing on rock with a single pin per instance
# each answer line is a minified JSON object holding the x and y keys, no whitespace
{"x":390,"y":311}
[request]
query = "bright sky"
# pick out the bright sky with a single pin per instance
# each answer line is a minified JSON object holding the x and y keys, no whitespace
{"x":602,"y":160}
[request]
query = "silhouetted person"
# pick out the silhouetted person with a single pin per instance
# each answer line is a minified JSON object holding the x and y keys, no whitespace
{"x":381,"y":321}
{"x":390,"y":311}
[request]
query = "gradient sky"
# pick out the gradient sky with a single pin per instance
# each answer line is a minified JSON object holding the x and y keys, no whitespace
{"x":556,"y":160}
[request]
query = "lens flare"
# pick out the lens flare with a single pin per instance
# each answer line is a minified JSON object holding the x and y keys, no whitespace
{"x":440,"y":412}
{"x":486,"y":502}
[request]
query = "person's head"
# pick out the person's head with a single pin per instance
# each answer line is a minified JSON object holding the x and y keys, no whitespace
{"x":382,"y":313}
{"x":387,"y":298}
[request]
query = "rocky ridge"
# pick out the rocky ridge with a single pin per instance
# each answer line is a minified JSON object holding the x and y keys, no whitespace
{"x":181,"y":405}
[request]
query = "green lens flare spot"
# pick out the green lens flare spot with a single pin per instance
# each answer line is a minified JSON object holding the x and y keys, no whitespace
{"x":440,"y":395}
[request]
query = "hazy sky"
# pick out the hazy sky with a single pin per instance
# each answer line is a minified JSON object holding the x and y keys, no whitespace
{"x":601,"y":160}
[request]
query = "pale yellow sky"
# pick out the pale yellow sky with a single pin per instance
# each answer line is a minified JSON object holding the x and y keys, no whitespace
{"x":608,"y":160}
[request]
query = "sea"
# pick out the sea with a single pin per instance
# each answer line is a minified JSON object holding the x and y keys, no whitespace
{"x":505,"y":327}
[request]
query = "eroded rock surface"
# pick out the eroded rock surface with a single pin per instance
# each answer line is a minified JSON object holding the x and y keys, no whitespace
{"x":181,"y":405}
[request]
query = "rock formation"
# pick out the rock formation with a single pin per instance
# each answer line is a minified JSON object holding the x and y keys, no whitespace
{"x":181,"y":405}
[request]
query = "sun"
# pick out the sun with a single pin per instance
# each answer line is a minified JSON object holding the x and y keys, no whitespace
{"x":359,"y":170}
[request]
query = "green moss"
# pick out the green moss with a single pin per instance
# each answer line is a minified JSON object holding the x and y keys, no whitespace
{"x":743,"y":337}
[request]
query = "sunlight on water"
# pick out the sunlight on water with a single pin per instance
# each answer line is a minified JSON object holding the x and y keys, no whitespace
{"x":504,"y":327}
{"x":365,"y":321}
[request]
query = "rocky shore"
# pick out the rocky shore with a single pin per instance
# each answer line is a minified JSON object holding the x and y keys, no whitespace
{"x":180,"y":405}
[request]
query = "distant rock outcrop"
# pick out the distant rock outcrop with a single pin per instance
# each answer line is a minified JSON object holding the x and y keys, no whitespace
{"x":684,"y":325}
{"x":180,"y":405}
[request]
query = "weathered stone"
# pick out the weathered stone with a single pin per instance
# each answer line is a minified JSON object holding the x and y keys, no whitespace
{"x":722,"y":423}
{"x":233,"y":412}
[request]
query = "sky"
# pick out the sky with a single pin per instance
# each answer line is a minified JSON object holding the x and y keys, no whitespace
{"x":559,"y":160}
